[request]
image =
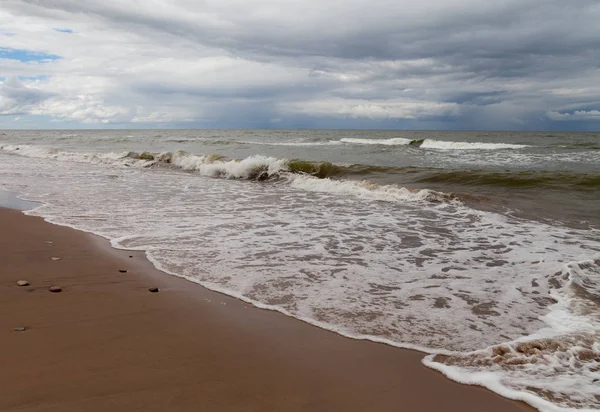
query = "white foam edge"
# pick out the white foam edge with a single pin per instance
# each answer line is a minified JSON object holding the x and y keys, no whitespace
{"x":340,"y":331}
{"x":489,"y":380}
{"x":559,"y":321}
{"x":367,"y":190}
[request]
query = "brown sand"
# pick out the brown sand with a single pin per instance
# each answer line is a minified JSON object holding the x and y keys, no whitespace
{"x":105,"y":343}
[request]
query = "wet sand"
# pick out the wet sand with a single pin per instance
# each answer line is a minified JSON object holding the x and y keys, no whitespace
{"x":105,"y":343}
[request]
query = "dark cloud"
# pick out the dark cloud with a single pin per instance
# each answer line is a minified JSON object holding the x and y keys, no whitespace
{"x":477,"y":98}
{"x":16,"y":98}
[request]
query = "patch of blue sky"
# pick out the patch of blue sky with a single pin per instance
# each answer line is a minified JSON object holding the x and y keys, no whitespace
{"x":63,"y":30}
{"x":27,"y":55}
{"x":39,"y":77}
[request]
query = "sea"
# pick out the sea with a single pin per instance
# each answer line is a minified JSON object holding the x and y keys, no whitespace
{"x":480,"y":249}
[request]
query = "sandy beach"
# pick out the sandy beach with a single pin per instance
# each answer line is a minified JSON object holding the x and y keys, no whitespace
{"x":106,"y":343}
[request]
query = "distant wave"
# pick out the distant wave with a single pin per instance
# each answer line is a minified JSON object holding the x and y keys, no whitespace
{"x":434,"y":144}
{"x":581,"y":145}
{"x":313,"y":143}
{"x":396,"y":141}
{"x":447,"y":145}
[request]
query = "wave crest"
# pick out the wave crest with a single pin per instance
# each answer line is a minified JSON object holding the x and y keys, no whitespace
{"x":304,"y":175}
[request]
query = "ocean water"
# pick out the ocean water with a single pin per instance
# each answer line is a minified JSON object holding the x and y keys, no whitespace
{"x":480,"y":249}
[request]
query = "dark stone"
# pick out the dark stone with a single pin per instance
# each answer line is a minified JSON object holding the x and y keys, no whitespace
{"x":123,"y":270}
{"x":153,"y":290}
{"x":130,"y":256}
{"x":55,"y":289}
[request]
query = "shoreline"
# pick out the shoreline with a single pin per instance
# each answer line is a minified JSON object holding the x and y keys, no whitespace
{"x":106,"y":342}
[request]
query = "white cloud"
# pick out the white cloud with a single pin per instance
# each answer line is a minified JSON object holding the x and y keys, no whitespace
{"x":373,"y":109}
{"x":163,"y":61}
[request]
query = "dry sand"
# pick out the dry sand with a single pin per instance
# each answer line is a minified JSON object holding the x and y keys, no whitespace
{"x":105,"y":343}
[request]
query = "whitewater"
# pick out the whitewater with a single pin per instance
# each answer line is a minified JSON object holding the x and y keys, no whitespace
{"x":494,"y":298}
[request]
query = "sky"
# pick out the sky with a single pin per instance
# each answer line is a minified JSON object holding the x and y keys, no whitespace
{"x":389,"y":64}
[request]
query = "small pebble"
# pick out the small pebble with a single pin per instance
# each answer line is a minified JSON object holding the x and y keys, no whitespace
{"x":23,"y":283}
{"x":130,"y":256}
{"x":19,"y":329}
{"x":153,"y":290}
{"x":55,"y":258}
{"x":123,"y":270}
{"x":55,"y":289}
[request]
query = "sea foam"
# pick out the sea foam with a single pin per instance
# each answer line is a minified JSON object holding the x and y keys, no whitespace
{"x":559,"y":363}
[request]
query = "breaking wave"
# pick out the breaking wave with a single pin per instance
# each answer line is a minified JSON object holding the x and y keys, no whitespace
{"x":310,"y":176}
{"x":260,"y":167}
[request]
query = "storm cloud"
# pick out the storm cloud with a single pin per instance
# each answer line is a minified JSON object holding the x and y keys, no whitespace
{"x":358,"y":63}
